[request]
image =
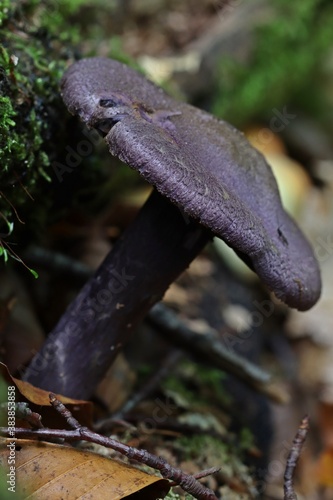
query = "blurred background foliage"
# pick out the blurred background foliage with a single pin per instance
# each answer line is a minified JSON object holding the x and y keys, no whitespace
{"x":290,"y":63}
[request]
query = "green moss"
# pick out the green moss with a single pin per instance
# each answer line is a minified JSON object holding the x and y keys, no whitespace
{"x":35,"y":129}
{"x":246,"y":439}
{"x":35,"y":49}
{"x":31,"y":63}
{"x":206,"y":381}
{"x":286,"y":64}
{"x":213,"y":379}
{"x":203,"y":446}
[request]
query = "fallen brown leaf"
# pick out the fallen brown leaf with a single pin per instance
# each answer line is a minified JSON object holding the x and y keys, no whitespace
{"x":39,"y":402}
{"x":325,"y":468}
{"x":46,"y":471}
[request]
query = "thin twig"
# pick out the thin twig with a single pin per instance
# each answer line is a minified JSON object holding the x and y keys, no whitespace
{"x":23,"y":412}
{"x":203,"y":473}
{"x":25,"y":189}
{"x":208,"y":348}
{"x":12,"y":206}
{"x":187,"y":482}
{"x":294,"y":454}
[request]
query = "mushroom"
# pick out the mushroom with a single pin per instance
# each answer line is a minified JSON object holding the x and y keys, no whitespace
{"x":208,"y":181}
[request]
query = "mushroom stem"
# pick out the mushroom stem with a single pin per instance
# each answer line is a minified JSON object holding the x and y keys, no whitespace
{"x":147,"y":258}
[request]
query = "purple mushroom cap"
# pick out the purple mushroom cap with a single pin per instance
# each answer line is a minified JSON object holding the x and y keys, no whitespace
{"x":203,"y":165}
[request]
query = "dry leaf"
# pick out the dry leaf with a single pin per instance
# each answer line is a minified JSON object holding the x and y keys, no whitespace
{"x":326,"y":426}
{"x":117,"y":385}
{"x":39,"y":402}
{"x":46,"y":471}
{"x":325,"y":468}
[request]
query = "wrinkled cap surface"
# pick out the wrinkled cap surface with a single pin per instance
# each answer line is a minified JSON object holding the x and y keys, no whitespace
{"x":203,"y":165}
